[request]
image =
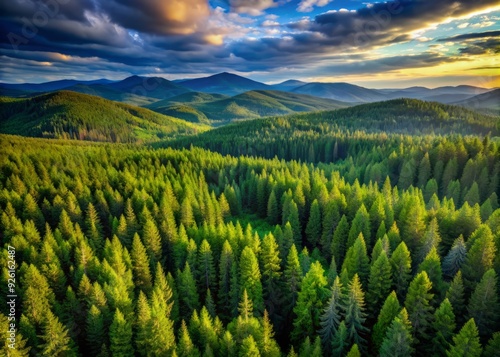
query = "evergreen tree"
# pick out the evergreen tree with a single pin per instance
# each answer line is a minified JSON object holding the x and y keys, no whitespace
{"x":340,"y":342}
{"x":455,"y":257}
{"x":152,"y":241}
{"x":293,"y":278}
{"x":206,"y":267}
{"x":357,"y":261}
{"x":273,"y":213}
{"x":355,"y":313}
{"x":189,"y":298}
{"x":271,"y":265}
{"x":389,"y":311}
{"x":354,"y":352}
{"x":417,"y":304}
{"x":493,"y":346}
{"x":313,"y":293}
{"x":455,"y":295}
{"x":249,"y":348}
{"x":332,"y":313}
{"x":142,"y":274}
{"x":120,"y":336}
{"x":250,"y":278}
{"x":95,"y":330}
{"x":432,"y":266}
{"x":339,"y":241}
{"x":479,"y":257}
{"x":443,"y":327}
{"x":360,"y":224}
{"x":225,"y":284}
{"x":484,"y":304}
{"x":185,"y":347}
{"x":55,"y":336}
{"x":267,"y":344}
{"x":313,"y":228}
{"x":401,"y":269}
{"x":398,"y":340}
{"x":379,"y":283}
{"x":466,"y":342}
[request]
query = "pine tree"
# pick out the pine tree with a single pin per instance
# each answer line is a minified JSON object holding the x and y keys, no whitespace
{"x":455,"y":257}
{"x":354,"y":352}
{"x":250,"y":278}
{"x":271,"y":265}
{"x":189,"y":298}
{"x":479,"y":257}
{"x":160,"y":327}
{"x":120,"y":336}
{"x":267,"y":344}
{"x":484,"y":304}
{"x":152,"y":241}
{"x":493,"y":346}
{"x":249,"y":348}
{"x":313,"y":228}
{"x":143,"y":316}
{"x":355,"y":313}
{"x":95,"y":333}
{"x":339,"y":241}
{"x":293,"y":278}
{"x":185,"y":347}
{"x":401,"y":269}
{"x":357,"y":261}
{"x":466,"y":342}
{"x":225,"y":286}
{"x":398,"y":340}
{"x":340,"y":340}
{"x":332,"y":313}
{"x":57,"y":342}
{"x":417,"y":304}
{"x":431,"y":240}
{"x":389,"y":311}
{"x":360,"y":224}
{"x":273,"y":213}
{"x":206,"y":267}
{"x":455,"y":294}
{"x":313,"y":293}
{"x":142,"y":274}
{"x":443,"y":327}
{"x":432,"y":266}
{"x":379,"y":283}
{"x":331,"y":218}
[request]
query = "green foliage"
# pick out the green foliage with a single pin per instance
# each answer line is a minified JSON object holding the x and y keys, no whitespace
{"x":398,"y":340}
{"x":466,"y":342}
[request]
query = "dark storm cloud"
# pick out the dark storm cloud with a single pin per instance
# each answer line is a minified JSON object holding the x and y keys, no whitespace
{"x":491,"y":45}
{"x":471,"y":36}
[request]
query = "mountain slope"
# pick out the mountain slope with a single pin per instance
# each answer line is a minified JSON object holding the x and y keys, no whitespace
{"x":223,"y":83}
{"x":110,"y":93}
{"x":488,"y":102}
{"x":71,"y":115}
{"x":253,"y":104}
{"x":344,"y":92}
{"x":51,"y":86}
{"x":153,"y":87}
{"x":187,"y":98}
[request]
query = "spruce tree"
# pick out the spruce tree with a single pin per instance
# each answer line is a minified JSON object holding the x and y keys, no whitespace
{"x":418,"y":304}
{"x":389,"y":311}
{"x":313,"y":228}
{"x":466,"y":342}
{"x":379,"y":283}
{"x":493,"y":346}
{"x":401,"y":269}
{"x":142,"y":274}
{"x":357,"y":261}
{"x":484,"y":304}
{"x":355,"y":313}
{"x":339,"y":241}
{"x":443,"y":327}
{"x":332,"y":314}
{"x":120,"y":336}
{"x":455,"y":295}
{"x":398,"y":340}
{"x":455,"y":258}
{"x":250,"y":278}
{"x":340,"y":342}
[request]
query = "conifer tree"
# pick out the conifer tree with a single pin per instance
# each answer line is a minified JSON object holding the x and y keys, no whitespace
{"x":355,"y":315}
{"x":142,"y":274}
{"x":313,"y":228}
{"x":267,"y":344}
{"x":340,"y":342}
{"x":419,"y":309}
{"x":493,"y":346}
{"x":332,"y":314}
{"x":354,"y":351}
{"x":120,"y":336}
{"x":360,"y":224}
{"x":455,"y":257}
{"x":313,"y":293}
{"x":455,"y":295}
{"x":206,"y":267}
{"x":249,"y":348}
{"x":401,"y":269}
{"x":225,"y":285}
{"x":271,"y":265}
{"x":273,"y":213}
{"x":293,"y":277}
{"x":250,"y":278}
{"x":95,"y":330}
{"x":443,"y":327}
{"x":479,"y":257}
{"x":466,"y":342}
{"x":432,"y":266}
{"x":398,"y":340}
{"x":55,"y":336}
{"x":188,"y":293}
{"x":185,"y":347}
{"x":339,"y":241}
{"x":357,"y":261}
{"x":389,"y":311}
{"x":379,"y":283}
{"x":484,"y":304}
{"x":152,"y":241}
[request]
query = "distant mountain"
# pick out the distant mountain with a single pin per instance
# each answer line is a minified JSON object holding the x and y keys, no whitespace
{"x":251,"y":104}
{"x":110,"y":93}
{"x":344,"y":92}
{"x":187,"y":98}
{"x":488,"y":102}
{"x":71,"y":115}
{"x":447,"y":94}
{"x":224,"y":83}
{"x":51,"y":86}
{"x":288,"y":85}
{"x":152,"y":87}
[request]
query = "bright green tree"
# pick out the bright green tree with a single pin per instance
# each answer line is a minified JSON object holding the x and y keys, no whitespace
{"x":484,"y":304}
{"x":355,"y":313}
{"x":120,"y":336}
{"x":389,"y":311}
{"x":398,"y":340}
{"x":466,"y":342}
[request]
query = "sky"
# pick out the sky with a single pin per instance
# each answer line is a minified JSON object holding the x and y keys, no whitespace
{"x":393,"y":44}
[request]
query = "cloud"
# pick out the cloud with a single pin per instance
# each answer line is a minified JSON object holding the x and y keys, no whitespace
{"x":251,"y":7}
{"x":308,"y":5}
{"x":469,"y":36}
{"x":491,"y":45}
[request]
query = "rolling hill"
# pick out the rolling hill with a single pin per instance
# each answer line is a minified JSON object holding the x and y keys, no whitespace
{"x":71,"y":115}
{"x":252,"y":104}
{"x":187,"y":98}
{"x":109,"y":93}
{"x":344,"y":92}
{"x":223,"y":83}
{"x":488,"y":102}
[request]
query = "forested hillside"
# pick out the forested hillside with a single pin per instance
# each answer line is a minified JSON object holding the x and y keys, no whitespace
{"x":128,"y":250}
{"x":72,"y":115}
